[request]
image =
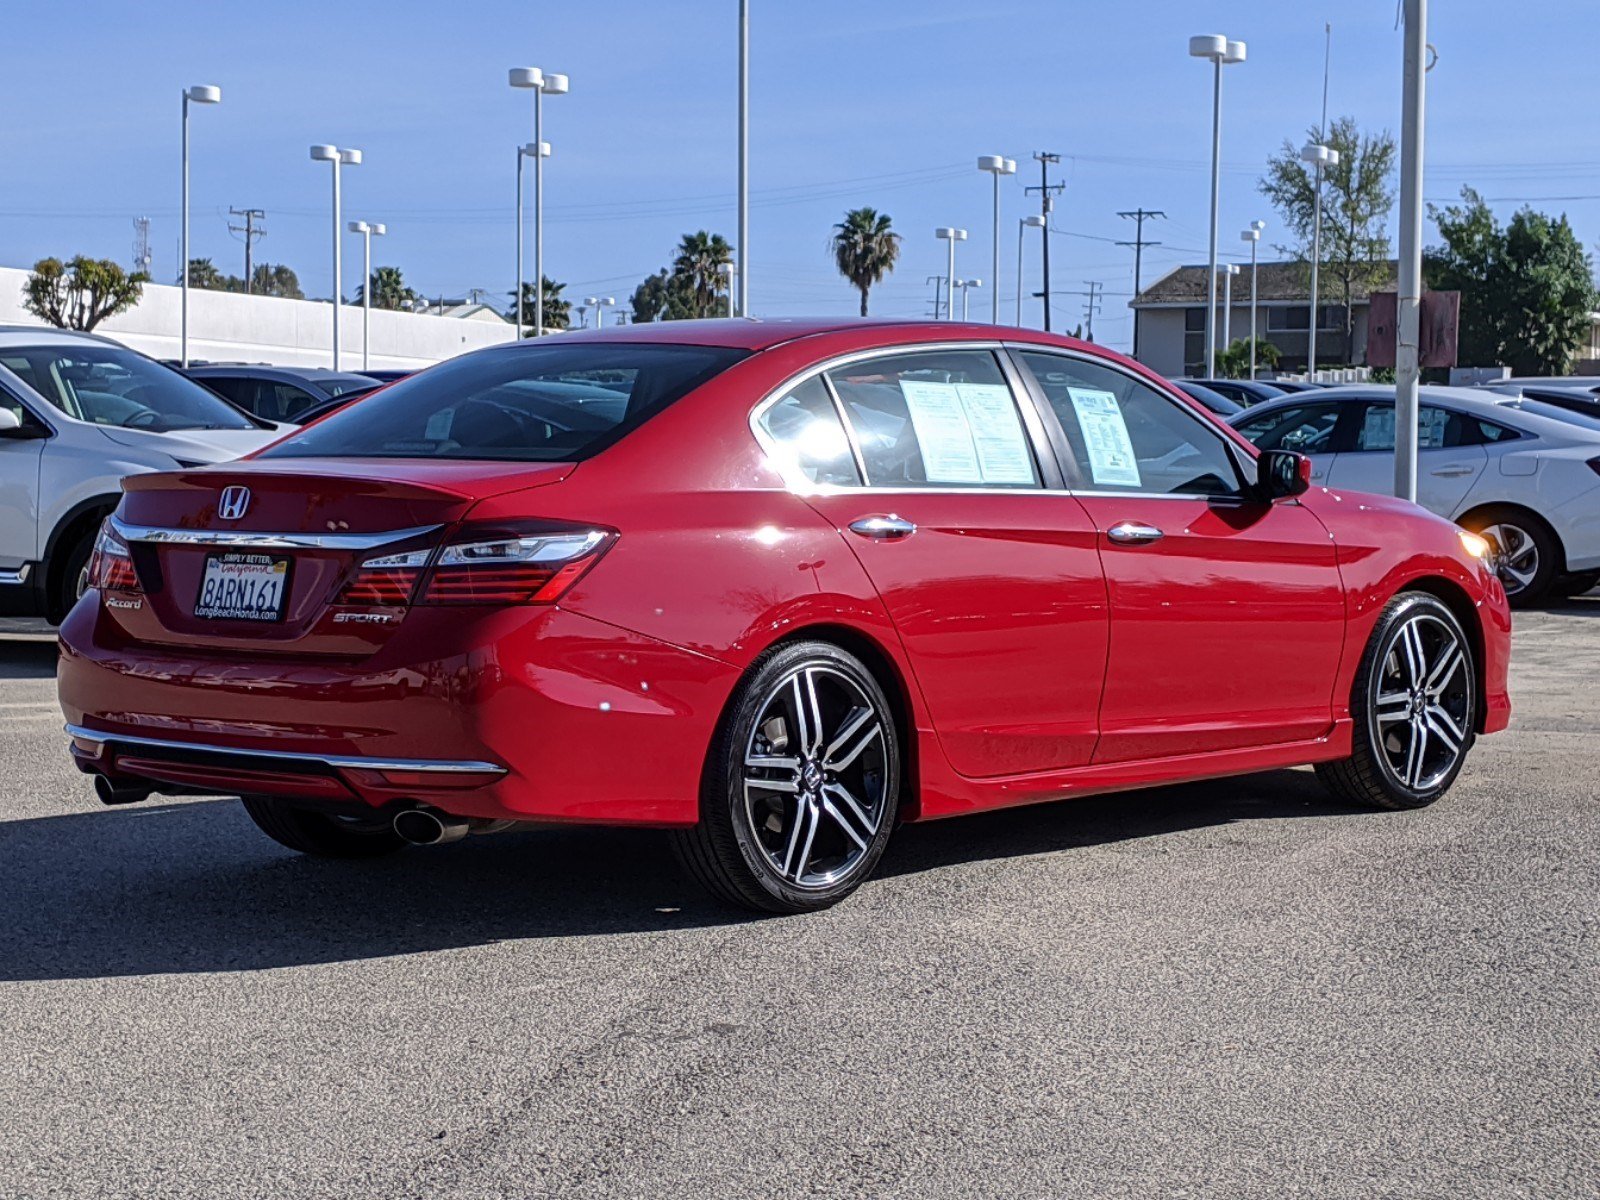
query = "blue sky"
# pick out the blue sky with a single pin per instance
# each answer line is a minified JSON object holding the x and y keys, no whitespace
{"x":884,"y":103}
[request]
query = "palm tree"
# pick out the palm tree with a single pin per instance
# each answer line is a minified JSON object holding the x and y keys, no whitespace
{"x":389,"y":289}
{"x":203,"y":273}
{"x":695,"y":269}
{"x":865,"y":249}
{"x":557,"y":312}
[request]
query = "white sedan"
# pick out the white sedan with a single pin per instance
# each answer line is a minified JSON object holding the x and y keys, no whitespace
{"x":1530,"y":482}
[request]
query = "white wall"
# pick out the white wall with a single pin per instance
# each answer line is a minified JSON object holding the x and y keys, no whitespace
{"x":227,"y":327}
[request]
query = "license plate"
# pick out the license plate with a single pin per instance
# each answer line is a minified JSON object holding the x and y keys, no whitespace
{"x":243,"y":587}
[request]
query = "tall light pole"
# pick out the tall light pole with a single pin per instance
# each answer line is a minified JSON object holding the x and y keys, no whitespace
{"x":1253,"y":236}
{"x":1408,"y":295}
{"x":339,"y":158}
{"x":199,"y":94}
{"x":1318,"y":156}
{"x":951,"y":235}
{"x":725,"y":272}
{"x":368,"y":230}
{"x":1219,"y":51}
{"x":966,"y":285}
{"x":742,"y":263}
{"x":542,"y":85}
{"x":526,"y":150}
{"x":600,"y":304}
{"x":997,"y":166}
{"x":1229,"y":270}
{"x":1032,"y":221}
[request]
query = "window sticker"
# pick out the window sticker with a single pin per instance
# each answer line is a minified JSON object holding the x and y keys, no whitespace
{"x":996,"y":433}
{"x":1105,"y":435}
{"x":943,"y":431}
{"x":1377,"y":429}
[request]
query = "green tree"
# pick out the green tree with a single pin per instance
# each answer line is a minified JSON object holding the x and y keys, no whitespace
{"x":865,"y":249}
{"x":203,"y":273}
{"x":695,"y":274}
{"x":275,"y":279}
{"x":1234,"y":362}
{"x":557,"y":312}
{"x":1357,"y":197}
{"x":81,"y":293}
{"x":1526,"y":289}
{"x":650,"y":299}
{"x":389,"y":289}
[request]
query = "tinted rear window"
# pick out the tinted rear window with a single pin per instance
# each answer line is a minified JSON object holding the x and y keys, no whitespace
{"x":545,"y":403}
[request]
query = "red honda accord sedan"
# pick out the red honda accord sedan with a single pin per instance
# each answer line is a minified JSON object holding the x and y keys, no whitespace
{"x":775,"y":586}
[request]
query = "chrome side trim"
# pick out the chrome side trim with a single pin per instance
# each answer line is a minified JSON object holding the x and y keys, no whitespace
{"x":15,"y":576}
{"x":266,"y":541}
{"x":360,"y":762}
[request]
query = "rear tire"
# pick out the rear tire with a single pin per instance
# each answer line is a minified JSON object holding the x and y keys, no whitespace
{"x":322,"y":834}
{"x":801,"y":787}
{"x":1414,"y":708}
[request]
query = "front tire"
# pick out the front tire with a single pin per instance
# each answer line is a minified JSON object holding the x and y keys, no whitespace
{"x":321,"y":834}
{"x":801,"y":786}
{"x":1414,"y":707}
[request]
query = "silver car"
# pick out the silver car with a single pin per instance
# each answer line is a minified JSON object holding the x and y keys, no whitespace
{"x":77,"y":413}
{"x":1528,"y":481}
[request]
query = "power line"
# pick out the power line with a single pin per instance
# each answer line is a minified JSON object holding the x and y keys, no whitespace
{"x":1139,"y":216}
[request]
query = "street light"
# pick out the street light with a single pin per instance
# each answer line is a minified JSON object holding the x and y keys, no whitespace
{"x":966,"y":285}
{"x":368,"y":230}
{"x":526,"y":150}
{"x":542,"y":85}
{"x":1035,"y":221}
{"x":600,"y":304}
{"x":1318,"y":156}
{"x":1219,"y":51}
{"x":996,"y":166}
{"x":199,"y":94}
{"x":951,"y":235}
{"x":1253,"y":236}
{"x":1228,"y":271}
{"x":339,"y":158}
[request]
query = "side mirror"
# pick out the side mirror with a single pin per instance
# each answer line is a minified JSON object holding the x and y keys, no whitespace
{"x":1282,"y":473}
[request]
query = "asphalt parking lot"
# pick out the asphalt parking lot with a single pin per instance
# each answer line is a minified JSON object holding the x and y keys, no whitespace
{"x":1237,"y":989}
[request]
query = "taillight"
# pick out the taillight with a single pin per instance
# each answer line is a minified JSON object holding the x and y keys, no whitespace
{"x":387,"y":580}
{"x":513,"y":568}
{"x":110,"y":565}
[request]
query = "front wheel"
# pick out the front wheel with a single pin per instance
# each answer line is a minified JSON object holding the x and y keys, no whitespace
{"x":801,"y":787}
{"x":1527,"y":555}
{"x":1414,"y":708}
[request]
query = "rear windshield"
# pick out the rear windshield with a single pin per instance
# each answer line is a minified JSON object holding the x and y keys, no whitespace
{"x":544,"y":403}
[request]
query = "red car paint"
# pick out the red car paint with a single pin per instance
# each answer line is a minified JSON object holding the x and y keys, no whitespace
{"x":1032,"y":657}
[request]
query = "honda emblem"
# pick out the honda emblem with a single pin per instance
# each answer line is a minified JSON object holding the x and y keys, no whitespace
{"x":235,"y":501}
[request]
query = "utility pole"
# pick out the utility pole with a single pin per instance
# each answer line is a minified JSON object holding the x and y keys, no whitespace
{"x":1091,"y":306}
{"x":938,"y":282}
{"x":1047,"y":191}
{"x":1139,"y":216}
{"x":251,"y":231}
{"x":1408,"y":298}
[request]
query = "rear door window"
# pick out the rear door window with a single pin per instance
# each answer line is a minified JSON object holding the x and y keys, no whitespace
{"x":936,"y":418}
{"x":1304,"y":428}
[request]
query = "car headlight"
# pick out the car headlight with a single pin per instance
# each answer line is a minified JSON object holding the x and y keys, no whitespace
{"x":1475,"y":544}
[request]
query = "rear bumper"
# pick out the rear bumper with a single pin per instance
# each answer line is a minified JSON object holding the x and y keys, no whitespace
{"x":521,"y":714}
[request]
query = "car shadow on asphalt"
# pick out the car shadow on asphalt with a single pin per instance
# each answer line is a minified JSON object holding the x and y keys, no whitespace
{"x":167,"y":888}
{"x":27,"y":656}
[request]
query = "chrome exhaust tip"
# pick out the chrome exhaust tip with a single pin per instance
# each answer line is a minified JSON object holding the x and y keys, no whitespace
{"x":429,"y":827}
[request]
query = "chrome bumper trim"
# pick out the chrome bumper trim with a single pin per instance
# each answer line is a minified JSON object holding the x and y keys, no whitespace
{"x":357,"y":761}
{"x":266,"y":541}
{"x":16,"y":576}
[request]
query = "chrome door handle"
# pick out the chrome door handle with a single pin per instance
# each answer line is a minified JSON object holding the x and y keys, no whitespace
{"x":1450,"y":472}
{"x":883,"y":526}
{"x":1134,"y":533}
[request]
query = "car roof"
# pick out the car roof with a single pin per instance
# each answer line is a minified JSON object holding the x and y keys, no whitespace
{"x":1473,"y":401}
{"x":264,"y":369}
{"x":48,"y":335}
{"x":763,"y":333}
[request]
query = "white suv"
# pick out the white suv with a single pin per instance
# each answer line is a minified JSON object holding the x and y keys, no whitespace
{"x":77,"y":413}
